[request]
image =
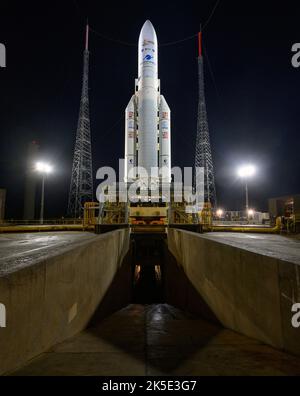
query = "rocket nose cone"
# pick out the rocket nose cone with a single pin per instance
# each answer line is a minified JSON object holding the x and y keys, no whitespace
{"x":148,"y":32}
{"x":147,"y":25}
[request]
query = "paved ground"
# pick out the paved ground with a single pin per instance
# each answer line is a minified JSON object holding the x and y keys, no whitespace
{"x":160,"y":340}
{"x":152,"y":339}
{"x":21,"y":250}
{"x":283,"y":248}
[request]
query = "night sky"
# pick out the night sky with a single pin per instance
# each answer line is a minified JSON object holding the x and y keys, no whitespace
{"x":252,"y":90}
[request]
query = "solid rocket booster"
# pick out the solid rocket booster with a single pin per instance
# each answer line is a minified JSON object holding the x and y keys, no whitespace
{"x":147,"y":116}
{"x":164,"y":139}
{"x":130,"y":133}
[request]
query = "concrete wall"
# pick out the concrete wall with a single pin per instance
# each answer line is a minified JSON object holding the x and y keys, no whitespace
{"x":247,"y":292}
{"x":180,"y":292}
{"x":57,"y":297}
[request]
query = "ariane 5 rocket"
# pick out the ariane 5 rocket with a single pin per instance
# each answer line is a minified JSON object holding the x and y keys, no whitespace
{"x":147,"y":118}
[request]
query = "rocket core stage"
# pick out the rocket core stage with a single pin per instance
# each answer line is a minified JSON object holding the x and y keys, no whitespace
{"x":147,"y":118}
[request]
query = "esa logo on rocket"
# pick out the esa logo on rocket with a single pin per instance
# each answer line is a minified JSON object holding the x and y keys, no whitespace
{"x":148,"y":57}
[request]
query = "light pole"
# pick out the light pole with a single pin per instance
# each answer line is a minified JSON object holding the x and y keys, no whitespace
{"x":247,"y":196}
{"x":245,"y":172}
{"x":44,"y":169}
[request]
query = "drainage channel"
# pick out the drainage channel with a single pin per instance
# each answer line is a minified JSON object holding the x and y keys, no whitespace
{"x":148,"y":268}
{"x":154,"y":333}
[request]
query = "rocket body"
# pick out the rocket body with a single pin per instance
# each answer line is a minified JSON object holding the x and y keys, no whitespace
{"x":147,"y":133}
{"x":130,"y":136}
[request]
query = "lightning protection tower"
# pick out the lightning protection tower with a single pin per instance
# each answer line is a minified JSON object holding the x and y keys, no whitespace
{"x":203,"y":155}
{"x":81,"y":188}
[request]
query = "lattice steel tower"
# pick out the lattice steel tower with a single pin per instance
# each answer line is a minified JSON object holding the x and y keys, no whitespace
{"x":81,"y":188}
{"x":203,"y":156}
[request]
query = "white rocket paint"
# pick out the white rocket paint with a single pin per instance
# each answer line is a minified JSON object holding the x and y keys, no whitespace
{"x":147,"y":98}
{"x":164,"y":139}
{"x":150,"y":127}
{"x":130,"y":136}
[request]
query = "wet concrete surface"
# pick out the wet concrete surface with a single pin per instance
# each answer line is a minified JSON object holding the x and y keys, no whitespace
{"x":277,"y":246}
{"x":21,"y":250}
{"x":18,"y":251}
{"x":160,"y":340}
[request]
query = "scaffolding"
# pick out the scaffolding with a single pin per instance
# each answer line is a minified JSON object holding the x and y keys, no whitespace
{"x":81,"y":188}
{"x":203,"y":155}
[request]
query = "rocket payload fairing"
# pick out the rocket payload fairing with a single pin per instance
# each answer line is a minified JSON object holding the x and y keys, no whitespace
{"x":147,"y":118}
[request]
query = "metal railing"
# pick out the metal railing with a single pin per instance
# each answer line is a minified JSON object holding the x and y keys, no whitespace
{"x":61,"y":221}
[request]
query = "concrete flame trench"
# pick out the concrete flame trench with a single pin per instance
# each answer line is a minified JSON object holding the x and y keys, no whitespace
{"x":118,"y":304}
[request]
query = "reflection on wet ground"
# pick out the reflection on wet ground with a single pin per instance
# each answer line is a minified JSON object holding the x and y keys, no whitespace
{"x":160,"y":340}
{"x":18,"y":251}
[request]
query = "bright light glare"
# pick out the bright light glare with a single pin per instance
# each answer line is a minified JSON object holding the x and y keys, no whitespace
{"x":220,"y":212}
{"x":43,"y":167}
{"x":246,"y":171}
{"x":250,"y":212}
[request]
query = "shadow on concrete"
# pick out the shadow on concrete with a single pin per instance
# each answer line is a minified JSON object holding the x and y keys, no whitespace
{"x":179,"y":335}
{"x":181,"y":293}
{"x":162,"y":328}
{"x":119,"y":294}
{"x":162,"y":337}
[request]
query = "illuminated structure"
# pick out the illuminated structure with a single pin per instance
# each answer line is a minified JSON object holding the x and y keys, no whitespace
{"x":203,"y":155}
{"x":81,"y":188}
{"x":148,"y":117}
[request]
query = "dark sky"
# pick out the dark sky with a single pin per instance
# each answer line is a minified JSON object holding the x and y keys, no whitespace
{"x":252,"y":92}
